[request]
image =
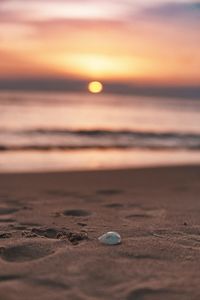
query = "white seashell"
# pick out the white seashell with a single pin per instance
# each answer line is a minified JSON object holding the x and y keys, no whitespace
{"x":110,"y":238}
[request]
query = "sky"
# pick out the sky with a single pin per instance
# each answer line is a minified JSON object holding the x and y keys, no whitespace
{"x":154,"y":42}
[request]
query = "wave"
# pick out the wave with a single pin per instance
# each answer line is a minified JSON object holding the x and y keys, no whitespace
{"x":53,"y":139}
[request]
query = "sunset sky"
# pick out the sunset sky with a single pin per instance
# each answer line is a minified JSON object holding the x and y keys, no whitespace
{"x":146,"y":41}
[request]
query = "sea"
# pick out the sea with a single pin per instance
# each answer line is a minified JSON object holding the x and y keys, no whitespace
{"x":54,"y":131}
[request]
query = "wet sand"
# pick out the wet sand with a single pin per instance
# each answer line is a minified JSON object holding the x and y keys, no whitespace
{"x":49,"y":225}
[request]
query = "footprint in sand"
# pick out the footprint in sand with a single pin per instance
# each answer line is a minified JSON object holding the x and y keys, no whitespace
{"x":25,"y":252}
{"x":144,"y":256}
{"x":50,"y":283}
{"x":5,"y":214}
{"x":50,"y":233}
{"x":146,"y":213}
{"x":138,"y":215}
{"x":4,"y":278}
{"x":56,"y":233}
{"x":7,"y":210}
{"x":7,"y":220}
{"x":151,"y":294}
{"x":5,"y":235}
{"x":109,"y":192}
{"x":77,"y":213}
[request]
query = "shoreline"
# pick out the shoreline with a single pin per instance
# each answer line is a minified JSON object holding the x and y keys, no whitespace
{"x":148,"y":168}
{"x":90,"y":160}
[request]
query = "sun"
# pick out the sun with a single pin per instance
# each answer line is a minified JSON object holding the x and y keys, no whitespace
{"x":95,"y":87}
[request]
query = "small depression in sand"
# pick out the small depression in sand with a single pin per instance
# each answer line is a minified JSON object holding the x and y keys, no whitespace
{"x":26,"y":252}
{"x":77,"y":213}
{"x":148,"y":294}
{"x":4,"y":278}
{"x":7,"y":211}
{"x":109,"y":192}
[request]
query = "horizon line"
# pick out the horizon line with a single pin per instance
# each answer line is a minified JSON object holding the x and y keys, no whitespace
{"x":111,"y":87}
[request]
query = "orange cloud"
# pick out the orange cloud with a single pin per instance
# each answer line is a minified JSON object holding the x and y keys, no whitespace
{"x":125,"y":42}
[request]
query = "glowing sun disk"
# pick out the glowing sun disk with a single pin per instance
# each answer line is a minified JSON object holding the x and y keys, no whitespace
{"x":95,"y":87}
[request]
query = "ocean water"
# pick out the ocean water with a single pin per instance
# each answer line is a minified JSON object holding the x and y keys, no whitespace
{"x":64,"y":131}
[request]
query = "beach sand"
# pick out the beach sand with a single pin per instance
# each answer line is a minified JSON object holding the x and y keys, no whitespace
{"x":49,"y":225}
